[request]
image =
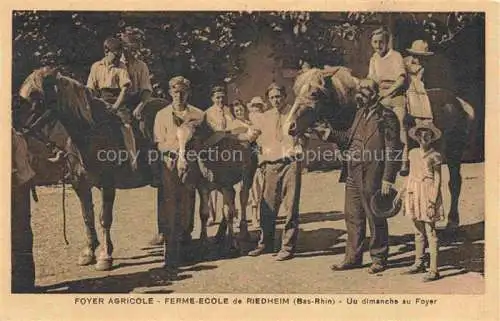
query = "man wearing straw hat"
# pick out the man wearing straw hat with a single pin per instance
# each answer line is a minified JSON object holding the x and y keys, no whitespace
{"x":417,"y":100}
{"x":372,"y":144}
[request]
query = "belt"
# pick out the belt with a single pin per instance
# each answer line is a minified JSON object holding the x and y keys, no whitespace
{"x":283,"y":161}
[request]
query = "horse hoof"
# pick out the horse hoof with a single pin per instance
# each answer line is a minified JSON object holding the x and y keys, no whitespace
{"x":104,"y":264}
{"x":86,"y":259}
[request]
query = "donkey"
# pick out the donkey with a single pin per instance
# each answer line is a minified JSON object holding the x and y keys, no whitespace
{"x":223,"y":160}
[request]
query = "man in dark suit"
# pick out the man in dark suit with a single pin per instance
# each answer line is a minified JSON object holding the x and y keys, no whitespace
{"x":371,"y":149}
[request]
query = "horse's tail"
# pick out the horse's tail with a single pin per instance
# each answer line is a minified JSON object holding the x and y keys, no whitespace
{"x":470,"y":116}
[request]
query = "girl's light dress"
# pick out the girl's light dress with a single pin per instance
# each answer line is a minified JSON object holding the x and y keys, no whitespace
{"x":420,"y":186}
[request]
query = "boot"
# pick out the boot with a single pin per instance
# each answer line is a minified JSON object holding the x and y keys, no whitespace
{"x":129,"y":140}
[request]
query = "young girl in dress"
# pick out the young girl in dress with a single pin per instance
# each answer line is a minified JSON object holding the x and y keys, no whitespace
{"x":423,"y":200}
{"x":418,"y":102}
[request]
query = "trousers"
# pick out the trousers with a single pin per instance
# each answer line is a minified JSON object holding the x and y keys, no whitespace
{"x":357,"y":211}
{"x":281,"y":186}
{"x":23,"y":265}
{"x":176,"y":216}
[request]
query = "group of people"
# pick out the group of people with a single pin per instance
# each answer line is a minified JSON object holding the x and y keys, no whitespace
{"x":394,"y":87}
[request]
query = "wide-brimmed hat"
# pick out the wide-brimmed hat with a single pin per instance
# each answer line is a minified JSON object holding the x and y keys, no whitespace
{"x":386,"y":206}
{"x":425,"y":125}
{"x":420,"y":47}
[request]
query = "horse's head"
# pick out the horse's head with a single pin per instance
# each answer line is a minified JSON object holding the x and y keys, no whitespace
{"x":37,"y":94}
{"x":319,"y":95}
{"x":45,"y":91}
{"x":188,"y":136}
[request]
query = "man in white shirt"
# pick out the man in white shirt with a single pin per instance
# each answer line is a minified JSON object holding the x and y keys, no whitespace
{"x":280,"y":165}
{"x":177,"y":198}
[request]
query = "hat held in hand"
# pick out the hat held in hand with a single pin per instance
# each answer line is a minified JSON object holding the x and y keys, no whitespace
{"x":386,"y":206}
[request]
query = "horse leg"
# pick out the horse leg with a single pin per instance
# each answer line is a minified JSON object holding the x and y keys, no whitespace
{"x":455,"y":185}
{"x":228,"y":212}
{"x":105,"y":259}
{"x":244,"y":195}
{"x":212,"y":207}
{"x":84,"y":193}
{"x":204,"y":215}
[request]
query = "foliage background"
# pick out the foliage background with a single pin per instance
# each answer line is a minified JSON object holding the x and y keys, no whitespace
{"x":207,"y":47}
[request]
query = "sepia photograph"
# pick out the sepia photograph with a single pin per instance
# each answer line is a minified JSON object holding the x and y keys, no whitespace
{"x":248,"y":153}
{"x":274,"y":152}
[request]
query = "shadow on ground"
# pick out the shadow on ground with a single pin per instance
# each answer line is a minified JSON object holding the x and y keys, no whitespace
{"x":125,"y":283}
{"x":461,"y":252}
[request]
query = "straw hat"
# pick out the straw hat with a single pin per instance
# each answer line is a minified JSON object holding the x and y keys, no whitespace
{"x":425,"y":125}
{"x":386,"y":206}
{"x":420,"y":47}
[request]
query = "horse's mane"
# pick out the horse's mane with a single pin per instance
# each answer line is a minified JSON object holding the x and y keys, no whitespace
{"x":313,"y":80}
{"x":75,"y":97}
{"x":72,"y":96}
{"x":32,"y":84}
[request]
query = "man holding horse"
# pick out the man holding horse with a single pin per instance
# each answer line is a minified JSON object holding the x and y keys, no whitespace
{"x":178,"y":197}
{"x":372,"y":143}
{"x":110,"y":80}
{"x":280,"y":165}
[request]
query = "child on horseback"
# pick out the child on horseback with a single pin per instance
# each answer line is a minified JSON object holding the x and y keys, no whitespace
{"x":139,"y":93}
{"x":110,"y":80}
{"x":388,"y":71}
{"x":422,"y":197}
{"x":418,"y":102}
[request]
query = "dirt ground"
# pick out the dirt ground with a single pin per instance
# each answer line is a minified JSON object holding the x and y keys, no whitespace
{"x":137,"y":265}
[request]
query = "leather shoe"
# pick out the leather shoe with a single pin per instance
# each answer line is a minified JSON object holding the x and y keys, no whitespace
{"x":284,"y":255}
{"x":345,"y":266}
{"x":376,"y":268}
{"x":414,"y":269}
{"x":259,"y":250}
{"x":431,"y":276}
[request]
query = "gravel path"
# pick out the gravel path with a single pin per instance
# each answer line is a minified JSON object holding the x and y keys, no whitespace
{"x":321,"y":243}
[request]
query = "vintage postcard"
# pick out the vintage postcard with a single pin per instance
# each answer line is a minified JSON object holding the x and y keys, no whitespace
{"x":250,"y":161}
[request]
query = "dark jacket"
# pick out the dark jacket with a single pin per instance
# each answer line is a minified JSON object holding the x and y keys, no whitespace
{"x":381,"y":136}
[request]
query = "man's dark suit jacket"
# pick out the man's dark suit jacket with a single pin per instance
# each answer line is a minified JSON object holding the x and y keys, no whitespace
{"x":381,"y":135}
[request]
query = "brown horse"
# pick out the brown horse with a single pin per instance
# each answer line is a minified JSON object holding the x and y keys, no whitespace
{"x":326,"y":97}
{"x":97,"y":149}
{"x":221,"y":160}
